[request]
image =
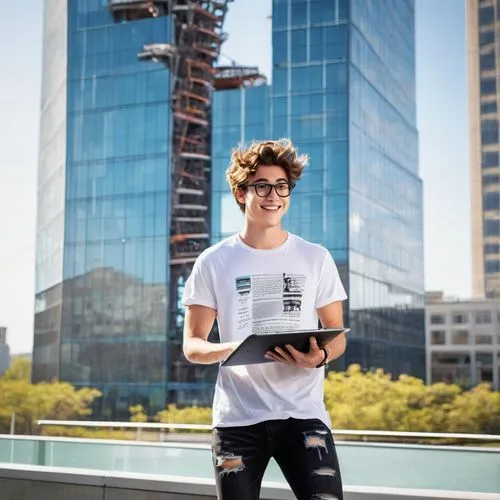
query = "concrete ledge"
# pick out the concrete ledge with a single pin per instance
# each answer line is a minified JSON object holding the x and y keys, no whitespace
{"x":26,"y":482}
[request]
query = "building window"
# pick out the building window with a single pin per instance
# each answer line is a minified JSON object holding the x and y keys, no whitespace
{"x":492,"y":227}
{"x":491,"y":201}
{"x":481,"y":339}
{"x":491,"y":248}
{"x":438,"y":337}
{"x":492,"y":266}
{"x":489,"y":107}
{"x":490,"y":179}
{"x":451,"y":367}
{"x":489,"y":131}
{"x":437,"y":319}
{"x":460,"y":337}
{"x":483,"y":317}
{"x":487,"y":61}
{"x":489,"y":160}
{"x":486,"y":16}
{"x":486,"y":38}
{"x":488,"y":86}
{"x":460,"y":318}
{"x":484,"y":367}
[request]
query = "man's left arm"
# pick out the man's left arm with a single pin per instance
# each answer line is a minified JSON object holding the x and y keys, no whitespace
{"x":331,"y":316}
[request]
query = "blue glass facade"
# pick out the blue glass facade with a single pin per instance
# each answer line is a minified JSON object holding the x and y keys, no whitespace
{"x":51,"y":181}
{"x":113,"y":274}
{"x":343,"y":89}
{"x":239,"y":115}
{"x":385,"y":192}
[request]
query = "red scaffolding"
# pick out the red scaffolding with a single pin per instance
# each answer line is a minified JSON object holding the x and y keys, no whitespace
{"x":190,"y":56}
{"x":232,"y":77}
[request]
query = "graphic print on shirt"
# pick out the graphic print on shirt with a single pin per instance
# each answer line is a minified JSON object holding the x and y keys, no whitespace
{"x":269,"y":302}
{"x":243,"y":285}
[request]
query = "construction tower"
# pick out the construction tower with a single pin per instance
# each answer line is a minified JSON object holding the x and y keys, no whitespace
{"x":191,"y":58}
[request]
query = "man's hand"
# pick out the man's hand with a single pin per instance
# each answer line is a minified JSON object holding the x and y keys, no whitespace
{"x":197,"y":324}
{"x":294,"y":357}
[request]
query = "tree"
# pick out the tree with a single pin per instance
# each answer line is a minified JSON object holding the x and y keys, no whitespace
{"x":188,"y":415}
{"x":137,"y":414}
{"x":31,"y":402}
{"x":477,"y":410}
{"x":12,"y":398}
{"x":372,"y":400}
{"x":20,"y":369}
{"x":356,"y":400}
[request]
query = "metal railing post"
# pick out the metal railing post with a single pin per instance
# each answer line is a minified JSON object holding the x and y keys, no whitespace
{"x":13,"y":423}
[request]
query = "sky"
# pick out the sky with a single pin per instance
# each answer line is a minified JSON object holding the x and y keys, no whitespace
{"x":442,"y":123}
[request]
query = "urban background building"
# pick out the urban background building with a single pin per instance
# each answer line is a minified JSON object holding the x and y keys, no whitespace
{"x":343,"y":89}
{"x":4,"y":351}
{"x":123,"y":194}
{"x":463,"y":340}
{"x":483,"y":44}
{"x":133,"y":150}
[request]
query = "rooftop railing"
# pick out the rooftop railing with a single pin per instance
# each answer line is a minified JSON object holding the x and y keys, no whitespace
{"x":364,"y":434}
{"x":468,"y":472}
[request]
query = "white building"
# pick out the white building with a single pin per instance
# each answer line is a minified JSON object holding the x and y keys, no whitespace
{"x":462,"y":340}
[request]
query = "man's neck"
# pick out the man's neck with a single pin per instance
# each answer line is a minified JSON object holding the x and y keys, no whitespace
{"x":263,"y":238}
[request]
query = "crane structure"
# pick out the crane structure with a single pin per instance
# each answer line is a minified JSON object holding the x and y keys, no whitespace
{"x":191,"y":58}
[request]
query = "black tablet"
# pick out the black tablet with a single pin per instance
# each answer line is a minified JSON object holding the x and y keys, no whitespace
{"x":251,"y":351}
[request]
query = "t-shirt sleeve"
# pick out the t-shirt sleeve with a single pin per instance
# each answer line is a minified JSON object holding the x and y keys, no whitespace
{"x":330,"y":288}
{"x":199,"y":289}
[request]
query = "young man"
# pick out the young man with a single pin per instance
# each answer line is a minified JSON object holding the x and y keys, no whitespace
{"x":265,"y":279}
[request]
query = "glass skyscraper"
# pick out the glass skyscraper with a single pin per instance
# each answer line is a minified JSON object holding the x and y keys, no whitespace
{"x":102,"y":254}
{"x":343,"y":90}
{"x":483,"y":21}
{"x":122,"y":190}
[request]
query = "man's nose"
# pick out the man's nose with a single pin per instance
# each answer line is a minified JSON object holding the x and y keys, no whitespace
{"x":273,"y":195}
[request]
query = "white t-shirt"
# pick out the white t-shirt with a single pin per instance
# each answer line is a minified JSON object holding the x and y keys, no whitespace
{"x":260,"y":291}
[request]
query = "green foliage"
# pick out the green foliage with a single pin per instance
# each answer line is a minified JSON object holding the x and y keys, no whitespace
{"x":82,"y":432}
{"x":31,"y":402}
{"x":20,"y":369}
{"x":354,"y":399}
{"x":372,"y":400}
{"x":137,"y":414}
{"x":358,"y":400}
{"x":188,"y":415}
{"x":476,"y":411}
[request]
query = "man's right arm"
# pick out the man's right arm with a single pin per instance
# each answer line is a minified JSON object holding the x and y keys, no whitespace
{"x":198,"y":322}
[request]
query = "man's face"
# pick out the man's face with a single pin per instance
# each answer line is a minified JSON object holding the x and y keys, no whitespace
{"x":263,"y":208}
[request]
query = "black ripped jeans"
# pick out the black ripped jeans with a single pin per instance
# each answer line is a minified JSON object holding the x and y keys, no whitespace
{"x":303,"y":449}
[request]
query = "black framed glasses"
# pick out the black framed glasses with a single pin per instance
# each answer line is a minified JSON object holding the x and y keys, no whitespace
{"x":263,"y":189}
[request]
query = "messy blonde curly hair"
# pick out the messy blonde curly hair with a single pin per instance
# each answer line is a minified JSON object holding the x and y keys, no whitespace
{"x":246,"y":160}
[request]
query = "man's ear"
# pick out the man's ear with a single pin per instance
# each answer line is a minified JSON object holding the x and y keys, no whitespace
{"x":240,"y":195}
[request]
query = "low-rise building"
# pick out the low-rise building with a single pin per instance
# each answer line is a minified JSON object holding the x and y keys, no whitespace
{"x":462,"y":340}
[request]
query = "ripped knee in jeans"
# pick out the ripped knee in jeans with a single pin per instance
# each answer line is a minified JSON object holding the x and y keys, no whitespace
{"x":228,"y":463}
